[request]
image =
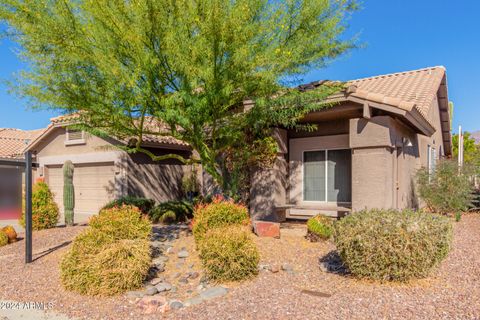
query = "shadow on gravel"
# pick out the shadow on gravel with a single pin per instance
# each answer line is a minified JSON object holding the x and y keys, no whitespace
{"x":50,"y":250}
{"x":332,"y":263}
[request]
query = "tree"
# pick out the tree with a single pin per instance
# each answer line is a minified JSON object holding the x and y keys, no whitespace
{"x":188,"y":65}
{"x":471,"y":150}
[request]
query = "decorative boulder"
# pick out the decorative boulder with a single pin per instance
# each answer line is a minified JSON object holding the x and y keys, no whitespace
{"x":266,"y":229}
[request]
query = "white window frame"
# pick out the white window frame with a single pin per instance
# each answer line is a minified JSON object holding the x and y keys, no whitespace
{"x":326,"y":177}
{"x":69,"y":142}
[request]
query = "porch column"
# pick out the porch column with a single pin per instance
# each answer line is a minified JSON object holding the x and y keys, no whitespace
{"x":268,"y":186}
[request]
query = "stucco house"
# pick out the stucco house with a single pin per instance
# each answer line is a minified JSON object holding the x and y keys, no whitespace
{"x":365,"y":152}
{"x":12,"y":144}
{"x":102,"y":171}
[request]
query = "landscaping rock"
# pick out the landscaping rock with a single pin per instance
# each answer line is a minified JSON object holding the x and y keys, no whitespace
{"x":135,"y":294}
{"x":193,"y":275}
{"x":274,"y":268}
{"x":287,"y":267}
{"x":164,"y":286}
{"x":266,"y":229}
{"x":174,"y":305}
{"x":193,"y":301}
{"x":150,"y":305}
{"x":200,"y":288}
{"x":182,"y":253}
{"x":156,"y":281}
{"x":174,"y":289}
{"x":183,"y":281}
{"x":150,"y":291}
{"x":214,"y":292}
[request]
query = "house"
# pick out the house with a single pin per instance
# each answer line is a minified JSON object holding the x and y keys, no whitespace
{"x":103,"y":172}
{"x":365,"y":152}
{"x":12,"y":144}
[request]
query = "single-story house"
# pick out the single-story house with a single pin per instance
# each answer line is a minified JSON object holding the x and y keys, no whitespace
{"x":103,"y":172}
{"x":12,"y":144}
{"x":365,"y":152}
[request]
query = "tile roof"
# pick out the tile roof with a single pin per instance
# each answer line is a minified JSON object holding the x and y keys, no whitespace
{"x":14,"y":141}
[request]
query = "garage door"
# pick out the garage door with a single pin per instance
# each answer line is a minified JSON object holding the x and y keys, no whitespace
{"x":93,"y":183}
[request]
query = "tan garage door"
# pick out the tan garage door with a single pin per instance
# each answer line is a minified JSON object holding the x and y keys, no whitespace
{"x":93,"y":183}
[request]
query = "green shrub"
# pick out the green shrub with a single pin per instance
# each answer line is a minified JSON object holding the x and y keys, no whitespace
{"x":448,"y":189}
{"x":219,"y":213}
{"x":392,"y":245}
{"x":3,"y":239}
{"x":319,"y":227}
{"x":171,"y":211}
{"x":110,"y":257}
{"x":229,"y":254}
{"x":44,"y":209}
{"x":144,"y":204}
{"x":125,"y":222}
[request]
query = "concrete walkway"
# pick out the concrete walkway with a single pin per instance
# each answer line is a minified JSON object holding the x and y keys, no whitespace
{"x":11,"y":310}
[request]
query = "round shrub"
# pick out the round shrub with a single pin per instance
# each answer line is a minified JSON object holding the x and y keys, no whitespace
{"x":125,"y":222}
{"x":219,"y":213}
{"x":111,"y":256}
{"x":144,"y":204}
{"x":10,"y":232}
{"x":44,"y":209}
{"x":319,"y":227}
{"x":171,"y":211}
{"x":392,"y":245}
{"x":3,"y":239}
{"x":229,"y":254}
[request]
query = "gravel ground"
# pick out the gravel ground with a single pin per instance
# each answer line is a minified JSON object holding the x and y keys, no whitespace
{"x":453,"y":292}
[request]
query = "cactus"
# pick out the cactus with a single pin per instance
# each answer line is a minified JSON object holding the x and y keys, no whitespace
{"x":68,"y":192}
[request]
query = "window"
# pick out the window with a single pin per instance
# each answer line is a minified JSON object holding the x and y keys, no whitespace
{"x":327,"y":176}
{"x":74,"y":137}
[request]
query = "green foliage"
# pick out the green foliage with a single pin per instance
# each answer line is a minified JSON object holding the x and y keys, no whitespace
{"x":229,"y":254}
{"x":125,"y":222}
{"x":471,"y":150}
{"x":188,"y":64}
{"x":458,"y":216}
{"x":219,"y":213}
{"x":3,"y":239}
{"x":144,"y":204}
{"x":319,"y":227}
{"x":110,"y":257}
{"x":392,"y":245}
{"x":190,"y":183}
{"x":448,"y":189}
{"x":171,"y":211}
{"x":68,"y":192}
{"x":44,"y":209}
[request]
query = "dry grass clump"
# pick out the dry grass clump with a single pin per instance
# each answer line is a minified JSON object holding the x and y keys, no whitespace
{"x":392,"y":245}
{"x":3,"y":239}
{"x":110,"y":257}
{"x":10,"y":232}
{"x":229,"y":253}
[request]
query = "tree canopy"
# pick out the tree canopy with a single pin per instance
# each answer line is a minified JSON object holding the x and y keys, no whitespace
{"x":471,"y":150}
{"x":190,"y":64}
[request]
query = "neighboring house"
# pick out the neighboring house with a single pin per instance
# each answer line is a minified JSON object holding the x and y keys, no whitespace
{"x":365,"y":152}
{"x":102,"y":171}
{"x":12,"y":144}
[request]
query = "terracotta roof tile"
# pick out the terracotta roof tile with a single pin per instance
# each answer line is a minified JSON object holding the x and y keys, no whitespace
{"x":14,"y":141}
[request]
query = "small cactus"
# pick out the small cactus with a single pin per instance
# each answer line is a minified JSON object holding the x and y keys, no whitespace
{"x":68,"y":192}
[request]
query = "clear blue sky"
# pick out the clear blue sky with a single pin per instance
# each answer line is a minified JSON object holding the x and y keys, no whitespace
{"x":398,"y":36}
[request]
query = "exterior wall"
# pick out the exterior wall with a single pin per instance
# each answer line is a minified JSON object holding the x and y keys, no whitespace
{"x":297,"y":147}
{"x":269,"y":185}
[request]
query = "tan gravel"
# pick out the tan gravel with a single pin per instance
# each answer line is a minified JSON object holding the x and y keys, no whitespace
{"x":453,"y":292}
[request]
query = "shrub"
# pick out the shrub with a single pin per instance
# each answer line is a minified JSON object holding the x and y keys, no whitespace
{"x":448,"y":189}
{"x":144,"y":204}
{"x":171,"y":211}
{"x":3,"y":239}
{"x":319,"y":227}
{"x":219,"y":213}
{"x":392,"y":245}
{"x":125,"y":222}
{"x":44,"y":209}
{"x":229,"y":254}
{"x":110,"y":257}
{"x":10,"y":232}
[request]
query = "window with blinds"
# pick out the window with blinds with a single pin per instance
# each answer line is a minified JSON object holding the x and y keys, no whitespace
{"x":327,"y":176}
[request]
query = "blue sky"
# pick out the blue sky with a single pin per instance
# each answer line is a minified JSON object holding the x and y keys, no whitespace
{"x":398,"y":36}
